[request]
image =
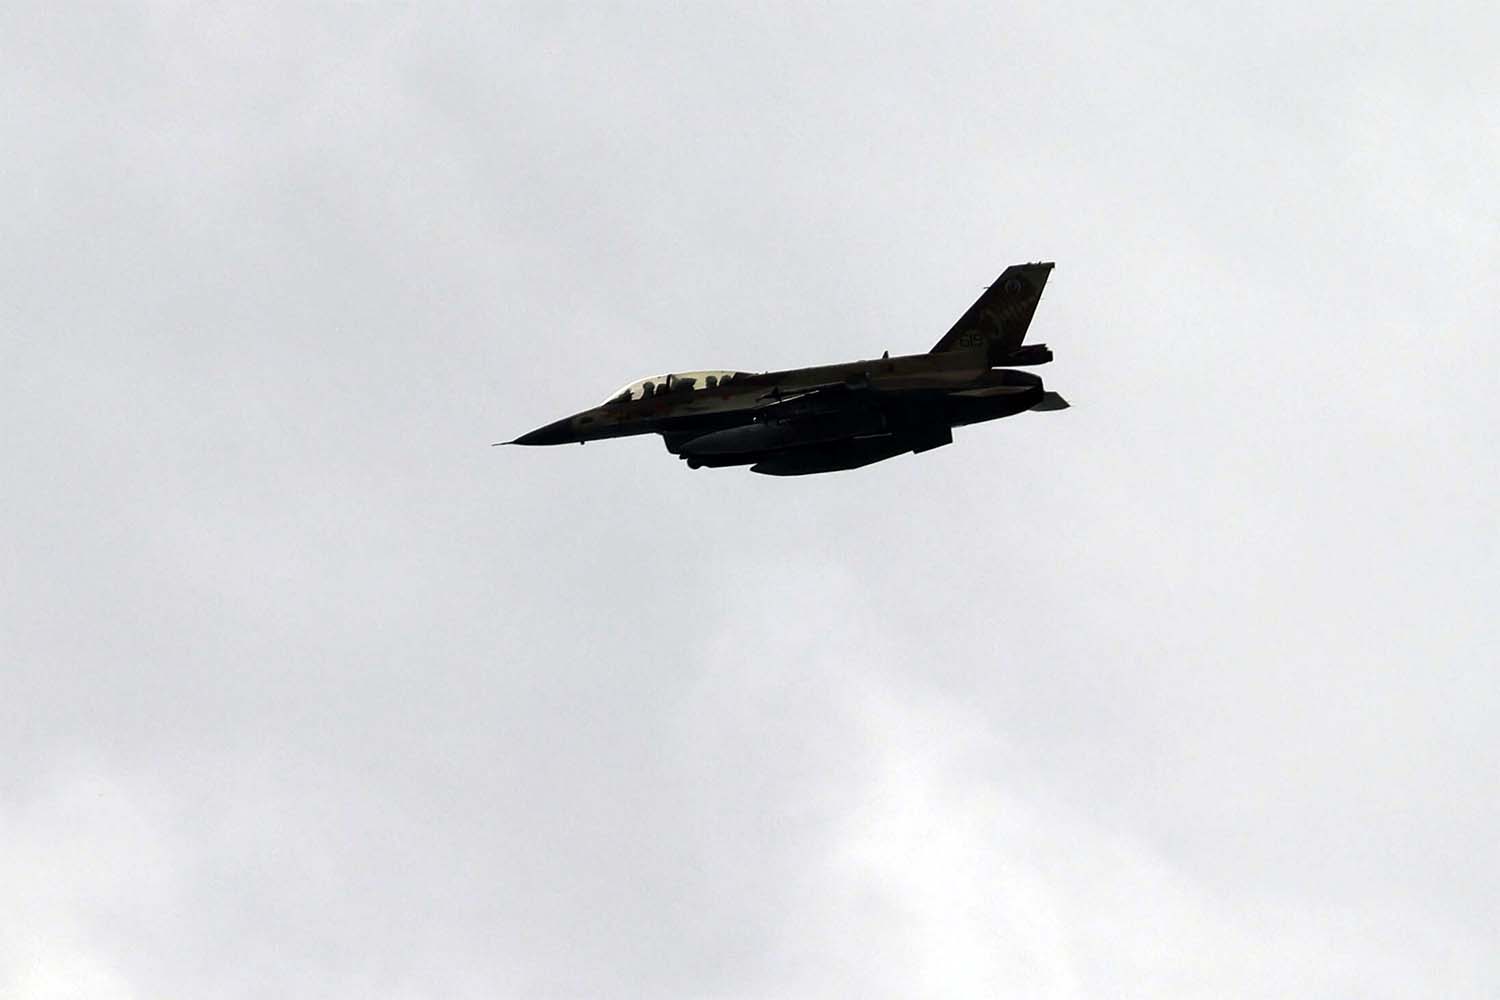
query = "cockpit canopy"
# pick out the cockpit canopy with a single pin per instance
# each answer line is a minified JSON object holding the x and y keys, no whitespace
{"x":645,"y":388}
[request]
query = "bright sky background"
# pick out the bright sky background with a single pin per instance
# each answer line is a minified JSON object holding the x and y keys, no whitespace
{"x":305,"y":691}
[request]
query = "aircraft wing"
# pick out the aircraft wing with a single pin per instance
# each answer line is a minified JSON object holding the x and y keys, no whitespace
{"x":884,"y":385}
{"x":776,"y":396}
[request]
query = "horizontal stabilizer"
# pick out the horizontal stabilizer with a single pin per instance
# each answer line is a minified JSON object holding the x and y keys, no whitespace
{"x":1051,"y":401}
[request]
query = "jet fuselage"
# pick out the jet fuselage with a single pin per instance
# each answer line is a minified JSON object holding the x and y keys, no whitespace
{"x":840,"y":416}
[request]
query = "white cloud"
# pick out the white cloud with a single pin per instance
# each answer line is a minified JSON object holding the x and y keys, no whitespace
{"x":956,"y":876}
{"x":87,"y":865}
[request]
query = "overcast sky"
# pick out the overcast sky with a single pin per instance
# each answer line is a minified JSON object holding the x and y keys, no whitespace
{"x":305,"y":691}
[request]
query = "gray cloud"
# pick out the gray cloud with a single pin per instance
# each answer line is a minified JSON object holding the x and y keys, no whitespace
{"x":306,"y":691}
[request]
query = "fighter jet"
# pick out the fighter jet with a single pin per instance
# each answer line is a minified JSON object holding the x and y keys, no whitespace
{"x":844,"y":416}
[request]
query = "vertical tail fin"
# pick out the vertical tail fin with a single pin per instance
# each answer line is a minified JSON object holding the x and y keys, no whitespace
{"x":998,"y":321}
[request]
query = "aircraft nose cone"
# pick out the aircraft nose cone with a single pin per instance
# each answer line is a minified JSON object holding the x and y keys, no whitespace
{"x":557,"y":432}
